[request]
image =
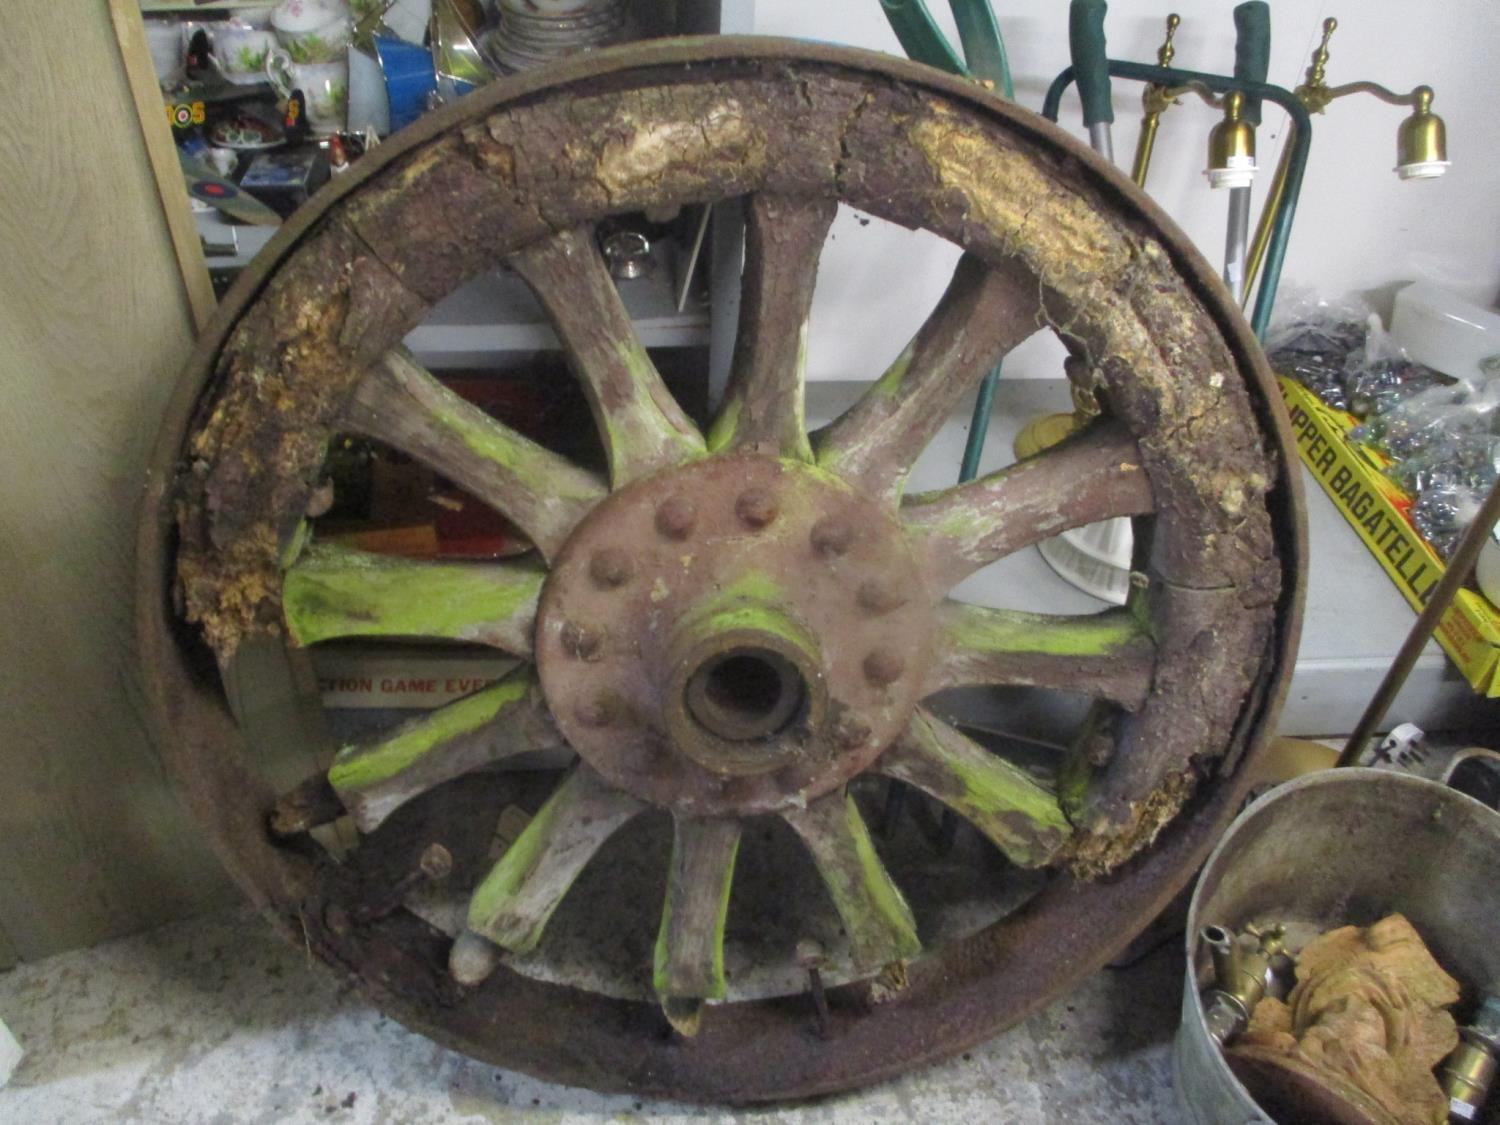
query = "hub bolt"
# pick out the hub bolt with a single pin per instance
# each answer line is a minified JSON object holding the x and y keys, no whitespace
{"x":850,"y":733}
{"x":756,"y":508}
{"x":883,"y":666}
{"x":831,"y":537}
{"x":610,"y":567}
{"x":878,"y":597}
{"x":597,"y":712}
{"x":675,"y":517}
{"x":581,"y":642}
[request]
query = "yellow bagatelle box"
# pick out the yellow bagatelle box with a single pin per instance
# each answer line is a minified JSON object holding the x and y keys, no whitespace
{"x":1378,"y":510}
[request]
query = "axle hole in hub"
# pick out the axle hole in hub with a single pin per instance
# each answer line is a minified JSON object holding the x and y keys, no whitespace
{"x":746,"y":694}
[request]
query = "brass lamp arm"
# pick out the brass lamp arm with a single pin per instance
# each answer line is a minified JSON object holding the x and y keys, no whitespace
{"x":1208,"y":97}
{"x":1417,"y":96}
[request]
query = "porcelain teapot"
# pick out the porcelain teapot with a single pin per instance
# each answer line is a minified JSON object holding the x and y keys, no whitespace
{"x":312,"y":30}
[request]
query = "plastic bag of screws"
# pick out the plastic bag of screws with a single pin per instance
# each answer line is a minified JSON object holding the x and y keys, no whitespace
{"x":1447,"y":455}
{"x":1379,"y":376}
{"x":1433,"y":423}
{"x":1312,"y":342}
{"x":1340,"y":352}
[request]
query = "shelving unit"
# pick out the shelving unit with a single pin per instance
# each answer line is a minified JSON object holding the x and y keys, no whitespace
{"x":467,"y":329}
{"x":183,"y":7}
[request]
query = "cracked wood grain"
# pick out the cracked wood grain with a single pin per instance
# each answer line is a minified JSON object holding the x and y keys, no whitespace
{"x":763,"y":408}
{"x":1108,"y":655}
{"x":689,"y":960}
{"x":375,"y":778}
{"x":642,"y":426}
{"x":1093,"y":475}
{"x":985,"y":312}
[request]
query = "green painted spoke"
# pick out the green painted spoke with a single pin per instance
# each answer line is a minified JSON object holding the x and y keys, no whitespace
{"x":1106,"y":655}
{"x":985,"y":312}
{"x":1094,"y":475}
{"x":1022,"y":817}
{"x":512,"y":905}
{"x":643,"y":427}
{"x":339,"y":592}
{"x":763,"y":409}
{"x":689,"y":961}
{"x":876,"y":917}
{"x":509,"y":717}
{"x":400,"y":404}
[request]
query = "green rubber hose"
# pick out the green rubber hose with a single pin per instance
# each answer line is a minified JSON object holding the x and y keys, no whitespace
{"x":1252,"y":50}
{"x":1090,"y":63}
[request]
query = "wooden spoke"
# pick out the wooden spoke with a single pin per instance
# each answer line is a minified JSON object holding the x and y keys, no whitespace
{"x":985,"y":312}
{"x":339,"y":592}
{"x":509,"y":717}
{"x":1022,"y":817}
{"x":1107,"y":655}
{"x":513,"y":903}
{"x":876,"y":917}
{"x":763,"y":409}
{"x":1091,"y":476}
{"x":640,"y":422}
{"x":1209,"y":644}
{"x":690,"y":944}
{"x":399,"y":403}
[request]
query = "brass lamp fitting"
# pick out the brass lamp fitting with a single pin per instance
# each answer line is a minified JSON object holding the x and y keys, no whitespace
{"x":1247,"y":967}
{"x":1155,"y":100}
{"x":1231,"y":147}
{"x":1422,"y":141}
{"x":1469,"y":1070}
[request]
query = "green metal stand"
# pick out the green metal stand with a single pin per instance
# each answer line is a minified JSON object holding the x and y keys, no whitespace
{"x":1301,"y":143}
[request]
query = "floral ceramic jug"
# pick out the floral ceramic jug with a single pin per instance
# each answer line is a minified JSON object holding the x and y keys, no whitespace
{"x":312,"y":30}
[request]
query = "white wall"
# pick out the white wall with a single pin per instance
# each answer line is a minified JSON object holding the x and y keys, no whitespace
{"x":1358,"y":227}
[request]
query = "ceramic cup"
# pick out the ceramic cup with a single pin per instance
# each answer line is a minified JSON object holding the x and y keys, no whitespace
{"x":164,"y":41}
{"x":252,"y":17}
{"x":324,"y":86}
{"x":312,"y":31}
{"x":241,"y":53}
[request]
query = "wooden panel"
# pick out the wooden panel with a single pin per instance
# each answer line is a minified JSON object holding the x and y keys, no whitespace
{"x":161,"y":150}
{"x":94,"y":325}
{"x":8,"y":955}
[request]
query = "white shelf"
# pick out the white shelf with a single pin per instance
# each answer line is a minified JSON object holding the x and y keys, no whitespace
{"x":246,"y":238}
{"x":187,"y":7}
{"x":497,"y":313}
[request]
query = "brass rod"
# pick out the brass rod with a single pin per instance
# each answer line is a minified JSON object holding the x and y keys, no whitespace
{"x":1143,"y":146}
{"x":1155,"y":102}
{"x":1274,"y":196}
{"x":1459,"y":568}
{"x":1384,"y":93}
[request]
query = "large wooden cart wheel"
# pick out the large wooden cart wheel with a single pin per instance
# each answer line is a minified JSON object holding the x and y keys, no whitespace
{"x":740,"y":623}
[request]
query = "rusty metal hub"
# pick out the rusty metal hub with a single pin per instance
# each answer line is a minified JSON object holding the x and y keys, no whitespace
{"x":738,"y":621}
{"x":742,"y":634}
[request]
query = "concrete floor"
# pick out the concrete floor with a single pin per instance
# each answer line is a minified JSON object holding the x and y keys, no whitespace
{"x":216,"y":1021}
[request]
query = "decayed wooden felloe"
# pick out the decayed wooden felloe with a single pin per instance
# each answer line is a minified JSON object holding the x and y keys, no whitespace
{"x":748,"y":552}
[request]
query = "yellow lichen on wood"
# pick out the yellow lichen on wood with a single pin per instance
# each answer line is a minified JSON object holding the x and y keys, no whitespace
{"x":1015,"y":197}
{"x":643,"y":150}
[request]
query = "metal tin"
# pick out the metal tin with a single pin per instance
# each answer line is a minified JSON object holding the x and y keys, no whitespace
{"x":1334,"y":848}
{"x":522,"y":40}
